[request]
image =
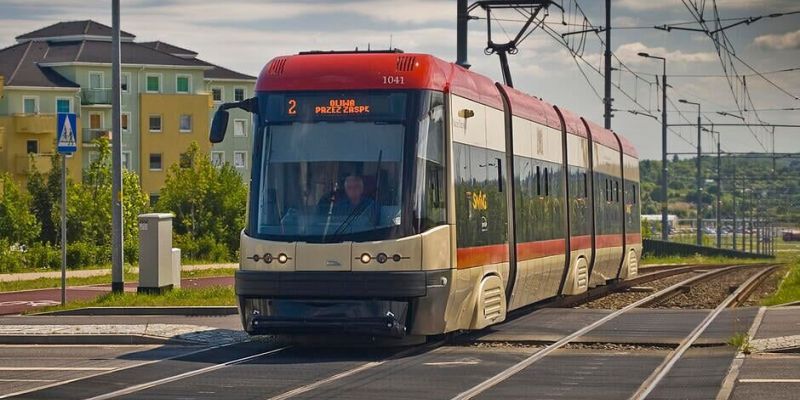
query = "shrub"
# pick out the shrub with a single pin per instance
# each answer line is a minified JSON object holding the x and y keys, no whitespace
{"x":81,"y":254}
{"x":43,"y":255}
{"x":204,"y":248}
{"x":10,"y":260}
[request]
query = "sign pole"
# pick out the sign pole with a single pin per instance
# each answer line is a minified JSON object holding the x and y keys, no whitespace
{"x":63,"y":229}
{"x":66,"y":143}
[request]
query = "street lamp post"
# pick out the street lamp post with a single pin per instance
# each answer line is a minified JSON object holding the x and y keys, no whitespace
{"x":698,"y":177}
{"x":719,"y":185}
{"x":664,"y":194}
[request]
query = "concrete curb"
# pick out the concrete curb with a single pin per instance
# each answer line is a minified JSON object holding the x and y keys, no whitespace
{"x":178,"y":311}
{"x":109,"y":339}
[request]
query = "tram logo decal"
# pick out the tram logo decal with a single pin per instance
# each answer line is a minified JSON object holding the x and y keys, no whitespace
{"x":479,"y":201}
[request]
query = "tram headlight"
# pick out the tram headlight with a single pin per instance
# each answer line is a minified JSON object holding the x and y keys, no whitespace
{"x":382,"y":258}
{"x":268,"y":258}
{"x":283,"y":258}
{"x":366,"y":258}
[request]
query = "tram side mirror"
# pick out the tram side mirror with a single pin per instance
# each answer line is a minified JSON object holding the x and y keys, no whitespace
{"x":218,"y":126}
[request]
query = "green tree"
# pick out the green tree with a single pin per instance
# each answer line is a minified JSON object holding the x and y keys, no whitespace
{"x":17,"y":223}
{"x":89,"y":206}
{"x":208,"y":204}
{"x":45,"y":191}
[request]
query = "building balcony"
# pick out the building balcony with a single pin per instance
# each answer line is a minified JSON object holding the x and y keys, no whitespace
{"x":35,"y":123}
{"x":96,"y":97}
{"x":26,"y":163}
{"x":90,"y":134}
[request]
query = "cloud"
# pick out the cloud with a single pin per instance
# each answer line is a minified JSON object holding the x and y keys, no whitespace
{"x":652,"y":5}
{"x":785,"y":41}
{"x":629,"y":53}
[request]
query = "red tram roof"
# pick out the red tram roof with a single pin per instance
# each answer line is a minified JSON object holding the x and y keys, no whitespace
{"x":603,"y":136}
{"x":383,"y":70}
{"x":532,"y":108}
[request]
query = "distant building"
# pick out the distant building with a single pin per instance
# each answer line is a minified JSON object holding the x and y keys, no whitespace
{"x":168,"y":98}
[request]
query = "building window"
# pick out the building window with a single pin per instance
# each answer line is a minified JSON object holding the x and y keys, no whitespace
{"x":63,"y":105}
{"x":238,"y":94}
{"x":239,"y":159}
{"x":155,"y":161}
{"x":239,"y":127}
{"x":183,"y":84}
{"x":217,"y":158}
{"x":96,"y":80}
{"x":124,"y":82}
{"x":153,"y":83}
{"x":126,"y":160}
{"x":32,"y":146}
{"x":95,"y":121}
{"x":155,"y":123}
{"x":124,"y":120}
{"x":216,"y":94}
{"x":30,"y":105}
{"x":186,"y":123}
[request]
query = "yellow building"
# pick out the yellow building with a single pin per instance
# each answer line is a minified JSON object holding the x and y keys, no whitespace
{"x":166,"y":102}
{"x":170,"y":123}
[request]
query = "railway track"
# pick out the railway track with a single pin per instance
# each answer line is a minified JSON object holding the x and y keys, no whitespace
{"x":657,"y":375}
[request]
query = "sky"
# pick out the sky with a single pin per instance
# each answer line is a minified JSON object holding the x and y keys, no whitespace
{"x":245,"y":34}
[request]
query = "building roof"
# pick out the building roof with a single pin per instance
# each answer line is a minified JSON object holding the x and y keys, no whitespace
{"x":18,"y":64}
{"x":89,"y":51}
{"x":29,"y":62}
{"x":73,"y":29}
{"x":217,"y":72}
{"x":169,"y":48}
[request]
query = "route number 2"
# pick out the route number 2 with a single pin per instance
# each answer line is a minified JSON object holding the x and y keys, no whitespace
{"x":292,"y":107}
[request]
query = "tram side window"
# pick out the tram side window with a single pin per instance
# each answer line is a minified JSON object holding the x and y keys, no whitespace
{"x":585,"y":186}
{"x":430,"y":199}
{"x":546,"y":182}
{"x":538,"y":181}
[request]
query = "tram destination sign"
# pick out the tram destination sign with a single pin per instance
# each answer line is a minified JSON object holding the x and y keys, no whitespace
{"x":383,"y":105}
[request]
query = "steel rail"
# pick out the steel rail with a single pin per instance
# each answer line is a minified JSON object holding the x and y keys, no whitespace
{"x":358,"y":369}
{"x":672,"y":358}
{"x":147,"y":385}
{"x":514,"y":369}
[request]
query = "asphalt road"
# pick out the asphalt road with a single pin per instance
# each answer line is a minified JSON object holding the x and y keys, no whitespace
{"x":271,"y":369}
{"x":129,"y":372}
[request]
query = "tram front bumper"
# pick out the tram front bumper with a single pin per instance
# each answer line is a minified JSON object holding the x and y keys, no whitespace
{"x":370,"y":303}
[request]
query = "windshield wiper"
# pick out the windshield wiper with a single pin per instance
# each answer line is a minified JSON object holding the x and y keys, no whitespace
{"x":350,"y":218}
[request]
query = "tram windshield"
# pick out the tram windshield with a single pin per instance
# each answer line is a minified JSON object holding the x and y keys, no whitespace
{"x":330,"y":166}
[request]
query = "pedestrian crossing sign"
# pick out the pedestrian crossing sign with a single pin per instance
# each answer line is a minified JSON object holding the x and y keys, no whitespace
{"x":67,"y":140}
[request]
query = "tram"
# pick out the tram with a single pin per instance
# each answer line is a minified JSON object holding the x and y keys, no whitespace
{"x":397,"y":195}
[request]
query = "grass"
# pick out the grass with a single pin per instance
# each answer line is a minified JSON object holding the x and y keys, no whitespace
{"x":46,"y":283}
{"x":207,"y":296}
{"x":789,"y":288}
{"x":741,"y":341}
{"x":699,"y":259}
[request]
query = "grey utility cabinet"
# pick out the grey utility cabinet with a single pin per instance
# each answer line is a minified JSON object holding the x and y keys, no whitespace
{"x":157,"y":266}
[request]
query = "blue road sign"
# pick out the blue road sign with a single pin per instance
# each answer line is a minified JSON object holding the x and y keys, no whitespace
{"x":67,"y":138}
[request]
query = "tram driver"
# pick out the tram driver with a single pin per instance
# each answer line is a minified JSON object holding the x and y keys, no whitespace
{"x":355,"y":210}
